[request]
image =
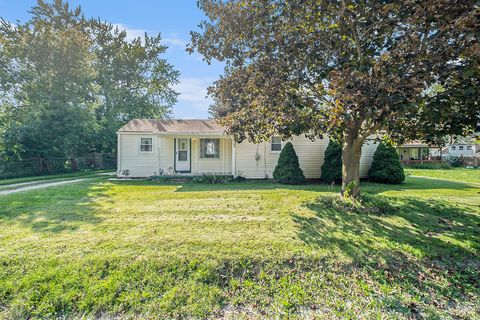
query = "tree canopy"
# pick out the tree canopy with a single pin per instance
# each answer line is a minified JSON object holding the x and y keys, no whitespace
{"x":349,"y":69}
{"x":68,"y":83}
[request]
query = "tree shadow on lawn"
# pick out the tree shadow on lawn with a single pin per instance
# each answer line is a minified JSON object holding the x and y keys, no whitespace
{"x":417,"y":183}
{"x":54,"y":209}
{"x":405,"y":248}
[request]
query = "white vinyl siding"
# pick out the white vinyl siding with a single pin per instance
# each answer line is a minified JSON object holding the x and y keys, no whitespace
{"x":220,"y":165}
{"x":310,"y":156}
{"x":137,"y":162}
{"x":253,"y":161}
{"x":368,"y":150}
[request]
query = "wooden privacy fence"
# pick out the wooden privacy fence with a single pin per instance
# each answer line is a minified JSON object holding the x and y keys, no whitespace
{"x":470,"y":161}
{"x":467,"y":161}
{"x":45,"y":166}
{"x":421,"y":161}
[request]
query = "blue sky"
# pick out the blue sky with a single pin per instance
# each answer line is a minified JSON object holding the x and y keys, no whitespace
{"x":174,"y":19}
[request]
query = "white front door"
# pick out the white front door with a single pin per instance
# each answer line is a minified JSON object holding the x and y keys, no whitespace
{"x":182,"y":160}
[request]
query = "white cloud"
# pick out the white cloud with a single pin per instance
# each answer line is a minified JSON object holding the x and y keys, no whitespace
{"x":131,"y":33}
{"x":175,"y":42}
{"x":193,"y":92}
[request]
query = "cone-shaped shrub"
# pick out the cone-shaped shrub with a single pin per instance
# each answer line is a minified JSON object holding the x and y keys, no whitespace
{"x":288,"y":170}
{"x":332,"y":164}
{"x":386,"y":167}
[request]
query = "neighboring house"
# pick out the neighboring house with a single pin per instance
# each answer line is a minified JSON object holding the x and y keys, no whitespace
{"x":463,"y":149}
{"x":193,"y":147}
{"x":413,"y":151}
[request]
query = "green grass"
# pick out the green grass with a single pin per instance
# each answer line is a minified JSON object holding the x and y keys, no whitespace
{"x":50,"y":177}
{"x":247,"y":250}
{"x":459,"y":174}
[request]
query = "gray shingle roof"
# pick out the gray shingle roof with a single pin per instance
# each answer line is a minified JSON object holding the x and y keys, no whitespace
{"x":173,"y":126}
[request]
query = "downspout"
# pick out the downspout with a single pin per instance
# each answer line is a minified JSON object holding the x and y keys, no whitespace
{"x":234,"y":156}
{"x":265,"y":160}
{"x":119,"y":153}
{"x":159,"y":165}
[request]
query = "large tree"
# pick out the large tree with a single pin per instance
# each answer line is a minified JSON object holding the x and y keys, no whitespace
{"x":133,"y":78}
{"x":47,"y":76}
{"x":67,"y":83}
{"x":348,"y":69}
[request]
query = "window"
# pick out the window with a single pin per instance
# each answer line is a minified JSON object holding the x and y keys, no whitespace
{"x":453,"y":148}
{"x":460,"y":148}
{"x":276,"y":144}
{"x":210,"y":148}
{"x":469,"y":147}
{"x":182,"y":150}
{"x":146,"y":145}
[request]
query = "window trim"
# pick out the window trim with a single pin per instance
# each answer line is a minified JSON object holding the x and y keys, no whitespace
{"x":460,"y":148}
{"x":142,"y":144}
{"x":217,"y":148}
{"x":469,"y":148}
{"x":271,"y":144}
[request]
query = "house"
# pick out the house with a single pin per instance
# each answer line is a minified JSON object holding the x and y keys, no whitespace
{"x":463,"y":149}
{"x":414,"y":151}
{"x":194,"y":147}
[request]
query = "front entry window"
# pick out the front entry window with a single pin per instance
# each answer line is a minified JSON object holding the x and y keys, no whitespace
{"x":210,"y":148}
{"x":182,"y":150}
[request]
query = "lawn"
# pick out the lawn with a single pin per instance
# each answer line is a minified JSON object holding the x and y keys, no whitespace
{"x":127,"y":249}
{"x":459,"y":174}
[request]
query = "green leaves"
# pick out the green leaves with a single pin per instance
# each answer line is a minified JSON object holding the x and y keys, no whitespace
{"x":344,"y":69}
{"x":72,"y":82}
{"x":374,"y":60}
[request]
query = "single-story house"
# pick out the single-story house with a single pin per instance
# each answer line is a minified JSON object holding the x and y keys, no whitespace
{"x":413,"y":151}
{"x":462,"y":149}
{"x":194,"y":147}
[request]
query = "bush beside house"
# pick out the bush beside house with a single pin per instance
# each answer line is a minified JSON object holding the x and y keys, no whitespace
{"x":386,"y":167}
{"x":288,"y":169}
{"x":332,"y":165}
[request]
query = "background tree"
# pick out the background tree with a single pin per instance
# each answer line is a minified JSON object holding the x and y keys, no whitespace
{"x":288,"y":169}
{"x":386,"y":167}
{"x":68,"y":83}
{"x":134,"y":80}
{"x":332,"y":164}
{"x":346,"y":68}
{"x":47,"y":83}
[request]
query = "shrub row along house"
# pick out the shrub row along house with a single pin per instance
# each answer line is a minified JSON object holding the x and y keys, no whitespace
{"x":194,"y":147}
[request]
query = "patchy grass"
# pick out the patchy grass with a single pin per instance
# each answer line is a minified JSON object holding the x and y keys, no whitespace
{"x":247,"y":250}
{"x":458,"y":174}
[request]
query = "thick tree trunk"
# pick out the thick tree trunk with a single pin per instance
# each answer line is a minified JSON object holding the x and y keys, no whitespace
{"x":351,"y":153}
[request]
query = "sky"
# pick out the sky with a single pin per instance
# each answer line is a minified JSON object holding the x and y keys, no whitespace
{"x":174,"y":19}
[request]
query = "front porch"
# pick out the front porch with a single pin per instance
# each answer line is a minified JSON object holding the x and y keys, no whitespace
{"x":413,"y":153}
{"x":197,"y":155}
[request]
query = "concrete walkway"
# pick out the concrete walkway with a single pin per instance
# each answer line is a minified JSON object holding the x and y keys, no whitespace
{"x":37,"y":186}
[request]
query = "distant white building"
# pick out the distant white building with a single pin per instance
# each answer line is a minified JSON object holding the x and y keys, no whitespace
{"x":463,"y":149}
